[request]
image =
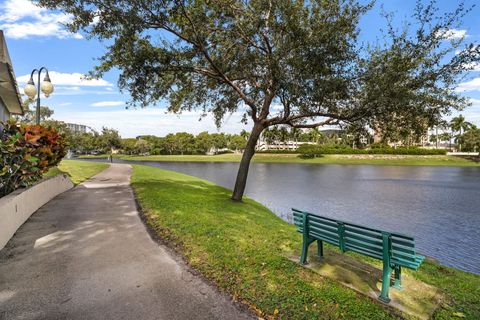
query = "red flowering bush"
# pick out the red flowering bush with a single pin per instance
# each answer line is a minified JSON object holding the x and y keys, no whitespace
{"x":26,"y":153}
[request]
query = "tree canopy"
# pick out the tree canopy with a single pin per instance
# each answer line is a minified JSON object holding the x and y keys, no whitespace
{"x":297,"y":63}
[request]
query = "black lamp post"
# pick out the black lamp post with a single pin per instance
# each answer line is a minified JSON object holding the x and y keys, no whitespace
{"x":45,"y":86}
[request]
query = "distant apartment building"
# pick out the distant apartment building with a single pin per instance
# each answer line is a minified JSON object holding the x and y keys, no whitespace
{"x":279,"y":145}
{"x":289,"y":145}
{"x":10,"y":101}
{"x":77,"y":128}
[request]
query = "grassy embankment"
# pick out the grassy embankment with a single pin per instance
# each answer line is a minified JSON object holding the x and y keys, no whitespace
{"x":406,"y":160}
{"x":244,"y":249}
{"x":78,"y":171}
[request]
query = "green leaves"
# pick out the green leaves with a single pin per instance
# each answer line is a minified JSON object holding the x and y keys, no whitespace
{"x":26,"y":152}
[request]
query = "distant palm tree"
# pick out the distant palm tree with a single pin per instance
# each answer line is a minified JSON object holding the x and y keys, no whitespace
{"x":442,"y":125}
{"x":244,"y":134}
{"x":458,"y":124}
{"x":314,"y":135}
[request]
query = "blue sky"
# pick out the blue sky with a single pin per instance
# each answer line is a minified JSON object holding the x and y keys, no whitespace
{"x":35,"y":38}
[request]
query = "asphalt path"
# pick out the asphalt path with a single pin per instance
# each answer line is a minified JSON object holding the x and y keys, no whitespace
{"x":87,"y":255}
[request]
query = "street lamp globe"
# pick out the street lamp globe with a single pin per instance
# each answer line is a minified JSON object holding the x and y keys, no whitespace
{"x":30,"y":89}
{"x":46,"y":86}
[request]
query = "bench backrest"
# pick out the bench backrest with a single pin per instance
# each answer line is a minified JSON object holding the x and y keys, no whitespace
{"x":357,"y":238}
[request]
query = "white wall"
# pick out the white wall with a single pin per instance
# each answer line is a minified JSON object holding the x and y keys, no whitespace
{"x":18,"y":206}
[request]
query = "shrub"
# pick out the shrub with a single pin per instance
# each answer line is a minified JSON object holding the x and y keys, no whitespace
{"x":311,"y":151}
{"x":224,"y":152}
{"x":278,"y":151}
{"x":26,"y":153}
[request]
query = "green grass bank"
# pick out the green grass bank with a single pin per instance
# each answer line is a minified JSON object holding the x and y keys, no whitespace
{"x":399,"y":160}
{"x":78,"y":171}
{"x":244,"y":249}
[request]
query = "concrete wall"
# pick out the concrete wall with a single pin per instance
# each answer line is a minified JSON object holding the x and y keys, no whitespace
{"x":19,"y":205}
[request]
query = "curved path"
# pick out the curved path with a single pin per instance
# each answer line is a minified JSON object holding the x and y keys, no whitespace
{"x":86,"y":255}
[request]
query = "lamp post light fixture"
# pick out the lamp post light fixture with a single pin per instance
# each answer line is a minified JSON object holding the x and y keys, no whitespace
{"x":45,"y":86}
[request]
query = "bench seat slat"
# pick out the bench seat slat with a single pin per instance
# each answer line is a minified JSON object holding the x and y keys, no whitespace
{"x":300,"y":213}
{"x":374,"y":248}
{"x":409,"y":264}
{"x":406,"y":257}
{"x":298,"y":222}
{"x":320,"y":220}
{"x":410,"y":251}
{"x":323,"y":227}
{"x":363,"y":251}
{"x":311,"y":219}
{"x":297,"y":216}
{"x":418,"y":260}
{"x":353,"y":225}
{"x":327,"y":232}
{"x":326,"y":239}
{"x":395,"y":237}
{"x":322,"y":236}
{"x":311,"y":214}
{"x":404,"y":243}
{"x":368,"y":233}
{"x":363,"y":238}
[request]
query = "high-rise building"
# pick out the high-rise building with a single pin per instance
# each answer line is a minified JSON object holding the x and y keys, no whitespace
{"x":77,"y":128}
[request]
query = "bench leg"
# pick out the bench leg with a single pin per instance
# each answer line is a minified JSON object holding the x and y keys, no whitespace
{"x":398,"y":278}
{"x":306,"y":243}
{"x":387,"y":271}
{"x":320,"y":248}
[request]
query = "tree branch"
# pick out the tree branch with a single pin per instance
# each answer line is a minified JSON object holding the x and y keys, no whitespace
{"x":207,"y":56}
{"x":330,"y":121}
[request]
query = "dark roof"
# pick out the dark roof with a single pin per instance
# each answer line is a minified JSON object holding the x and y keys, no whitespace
{"x":9,"y":92}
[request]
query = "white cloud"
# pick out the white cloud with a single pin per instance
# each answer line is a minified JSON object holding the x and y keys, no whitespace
{"x":471,"y":114}
{"x":108,"y":104}
{"x":472,"y":85}
{"x":473,"y":66}
{"x":475,"y":102}
{"x":75,"y":80}
{"x":21,"y":19}
{"x":155,"y":121}
{"x":452,"y":34}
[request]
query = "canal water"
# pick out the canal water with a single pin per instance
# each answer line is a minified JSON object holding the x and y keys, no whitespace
{"x":439,"y":206}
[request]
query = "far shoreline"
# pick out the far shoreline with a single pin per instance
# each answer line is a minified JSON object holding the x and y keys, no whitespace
{"x":363,"y":159}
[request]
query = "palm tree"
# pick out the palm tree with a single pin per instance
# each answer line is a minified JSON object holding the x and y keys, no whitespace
{"x":244,"y":134}
{"x":443,"y":125}
{"x":458,"y":124}
{"x":314,"y":135}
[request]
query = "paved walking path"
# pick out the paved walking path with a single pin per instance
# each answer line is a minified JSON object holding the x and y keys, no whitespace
{"x":86,"y":255}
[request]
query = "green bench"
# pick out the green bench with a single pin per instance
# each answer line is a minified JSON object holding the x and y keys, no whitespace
{"x":394,"y":249}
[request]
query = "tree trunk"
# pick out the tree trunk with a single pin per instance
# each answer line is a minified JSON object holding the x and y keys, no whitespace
{"x":460,"y":143}
{"x":248,"y":153}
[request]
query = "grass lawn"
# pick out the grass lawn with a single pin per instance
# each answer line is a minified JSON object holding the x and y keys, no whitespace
{"x":78,"y":171}
{"x":244,"y":249}
{"x":327,"y":159}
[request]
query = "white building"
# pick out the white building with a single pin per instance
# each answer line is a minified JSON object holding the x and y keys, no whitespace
{"x":279,"y":145}
{"x":77,"y":128}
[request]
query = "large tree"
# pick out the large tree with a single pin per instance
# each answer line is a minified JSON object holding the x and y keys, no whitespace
{"x":296,"y":63}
